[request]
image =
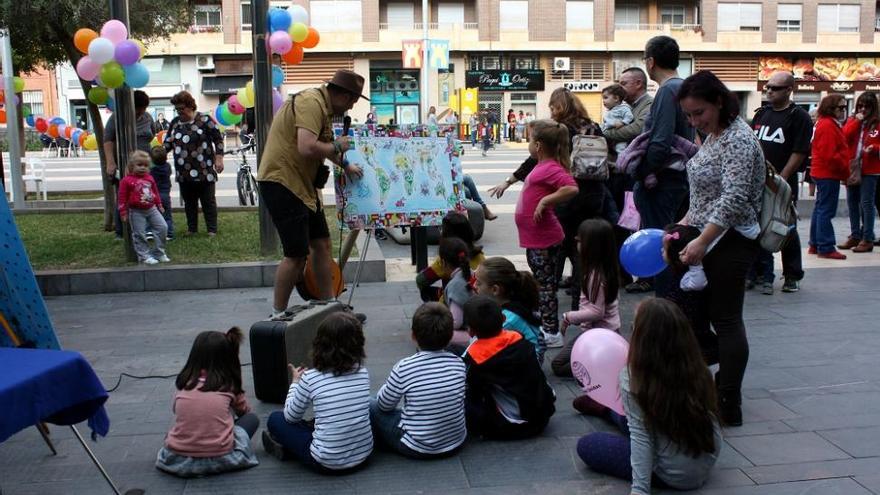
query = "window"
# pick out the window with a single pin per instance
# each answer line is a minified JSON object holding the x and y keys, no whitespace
{"x":672,"y":14}
{"x":400,"y":15}
{"x":593,"y":70}
{"x":207,"y":15}
{"x":521,"y":62}
{"x":739,"y":16}
{"x":578,"y":15}
{"x":788,"y":19}
{"x":246,"y":16}
{"x":491,"y":63}
{"x":514,"y":15}
{"x":627,"y":17}
{"x":450,"y":14}
{"x":163,"y":70}
{"x":34,"y":99}
{"x":336,"y":15}
{"x":838,"y":18}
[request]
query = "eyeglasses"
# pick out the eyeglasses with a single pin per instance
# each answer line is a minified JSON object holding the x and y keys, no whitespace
{"x":776,"y":88}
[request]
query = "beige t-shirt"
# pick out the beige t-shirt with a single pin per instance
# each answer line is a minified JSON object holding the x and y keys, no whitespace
{"x":282,"y":162}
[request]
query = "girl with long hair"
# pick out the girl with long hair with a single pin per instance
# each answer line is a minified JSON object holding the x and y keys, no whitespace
{"x":457,"y":225}
{"x":672,"y":435}
{"x":455,"y":259}
{"x":862,"y":133}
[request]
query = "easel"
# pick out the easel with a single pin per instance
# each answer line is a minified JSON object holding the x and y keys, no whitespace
{"x":345,"y":252}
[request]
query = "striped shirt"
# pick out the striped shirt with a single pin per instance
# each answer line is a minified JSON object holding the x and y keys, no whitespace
{"x":342,"y":437}
{"x":432,"y":385}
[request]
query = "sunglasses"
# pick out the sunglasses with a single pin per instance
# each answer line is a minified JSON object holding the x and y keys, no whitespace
{"x":776,"y":88}
{"x":841,"y":107}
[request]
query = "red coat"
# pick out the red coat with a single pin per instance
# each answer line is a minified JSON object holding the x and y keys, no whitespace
{"x":870,"y":161}
{"x":830,"y":154}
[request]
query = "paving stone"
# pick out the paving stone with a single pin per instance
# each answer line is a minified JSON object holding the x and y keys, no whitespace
{"x":504,"y":463}
{"x":830,"y":421}
{"x":785,"y":448}
{"x":870,"y":482}
{"x":857,"y":442}
{"x":814,"y":470}
{"x":842,"y":486}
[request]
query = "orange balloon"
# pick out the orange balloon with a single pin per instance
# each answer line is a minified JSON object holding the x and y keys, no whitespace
{"x":83,"y":38}
{"x":294,"y":56}
{"x":82,"y":138}
{"x":160,"y":137}
{"x":52,"y":131}
{"x":68,"y":131}
{"x":2,"y":97}
{"x":312,"y":38}
{"x":2,"y":116}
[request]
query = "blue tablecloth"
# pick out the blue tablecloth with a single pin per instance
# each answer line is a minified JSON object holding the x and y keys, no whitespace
{"x":58,"y":387}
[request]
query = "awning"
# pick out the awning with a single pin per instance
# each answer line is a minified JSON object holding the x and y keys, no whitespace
{"x":217,"y":85}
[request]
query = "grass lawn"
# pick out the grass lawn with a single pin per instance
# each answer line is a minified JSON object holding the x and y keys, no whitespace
{"x":66,"y":195}
{"x":57,"y":241}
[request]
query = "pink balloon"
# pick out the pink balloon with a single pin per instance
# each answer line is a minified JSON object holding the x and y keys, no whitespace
{"x":280,"y":42}
{"x":277,"y":101}
{"x":87,"y":69}
{"x":234,"y":105}
{"x":127,"y":52}
{"x":115,"y":31}
{"x":597,"y":358}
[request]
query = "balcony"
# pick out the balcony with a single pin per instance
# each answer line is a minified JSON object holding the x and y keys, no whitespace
{"x":632,"y":37}
{"x":664,"y":28}
{"x":432,"y":26}
{"x":460,"y":35}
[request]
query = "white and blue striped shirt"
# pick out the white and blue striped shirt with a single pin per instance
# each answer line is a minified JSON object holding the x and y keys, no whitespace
{"x":432,"y":386}
{"x":342,"y":437}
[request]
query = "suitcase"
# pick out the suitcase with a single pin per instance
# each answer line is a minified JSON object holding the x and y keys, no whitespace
{"x":276,"y":343}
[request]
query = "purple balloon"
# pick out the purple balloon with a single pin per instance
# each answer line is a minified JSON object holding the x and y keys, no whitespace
{"x":87,"y":69}
{"x":277,"y":101}
{"x":280,"y":42}
{"x":127,"y":52}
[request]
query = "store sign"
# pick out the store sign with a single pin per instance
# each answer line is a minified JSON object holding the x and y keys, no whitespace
{"x":822,"y":69}
{"x":505,"y":80}
{"x":582,"y":86}
{"x":832,"y":86}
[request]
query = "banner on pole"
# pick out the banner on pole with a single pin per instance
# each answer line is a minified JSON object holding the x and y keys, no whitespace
{"x":412,"y":54}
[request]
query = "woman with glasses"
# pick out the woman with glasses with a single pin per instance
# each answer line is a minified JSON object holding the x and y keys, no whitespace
{"x":862,"y":132}
{"x":197,"y":145}
{"x":830,"y":165}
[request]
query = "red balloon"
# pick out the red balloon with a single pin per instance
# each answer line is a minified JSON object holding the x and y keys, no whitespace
{"x":41,"y":125}
{"x":2,"y":116}
{"x":294,"y":56}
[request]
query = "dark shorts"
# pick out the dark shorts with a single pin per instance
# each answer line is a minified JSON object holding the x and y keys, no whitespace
{"x":295,"y":222}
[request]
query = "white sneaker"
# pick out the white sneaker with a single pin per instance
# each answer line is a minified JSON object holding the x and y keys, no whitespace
{"x":151,"y":261}
{"x":553,"y":340}
{"x":277,"y":315}
{"x":164,"y":258}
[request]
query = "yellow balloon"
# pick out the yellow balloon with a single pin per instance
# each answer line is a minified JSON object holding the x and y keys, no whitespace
{"x":91,"y":143}
{"x":244,"y":99}
{"x":298,"y":32}
{"x":249,"y":87}
{"x":142,"y":48}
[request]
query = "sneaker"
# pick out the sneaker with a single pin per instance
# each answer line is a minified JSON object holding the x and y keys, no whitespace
{"x":791,"y":285}
{"x":169,"y":237}
{"x":639,"y":286}
{"x":149,"y":236}
{"x":117,"y":238}
{"x":767,"y":289}
{"x":277,"y":315}
{"x":272,"y":447}
{"x":553,"y":340}
{"x":165,"y":259}
{"x":833,"y":255}
{"x":151,"y":261}
{"x":212,"y":234}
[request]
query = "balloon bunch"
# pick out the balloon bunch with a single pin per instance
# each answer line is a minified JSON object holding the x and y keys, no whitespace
{"x":158,"y":139}
{"x":111,"y":60}
{"x":18,"y":84}
{"x":56,"y":127}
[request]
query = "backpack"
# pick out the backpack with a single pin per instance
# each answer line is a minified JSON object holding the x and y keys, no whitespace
{"x":777,"y":212}
{"x":589,"y":157}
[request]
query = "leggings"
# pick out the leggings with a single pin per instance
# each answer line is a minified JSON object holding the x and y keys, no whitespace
{"x":543,"y":262}
{"x":609,"y":453}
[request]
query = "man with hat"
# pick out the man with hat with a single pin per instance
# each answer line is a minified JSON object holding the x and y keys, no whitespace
{"x":291,"y":173}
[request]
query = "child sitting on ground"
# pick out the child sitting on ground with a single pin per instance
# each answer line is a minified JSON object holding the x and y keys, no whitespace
{"x":431,"y":384}
{"x":454,"y":259}
{"x":618,"y":114}
{"x":508,"y":396}
{"x":139,"y":201}
{"x":454,"y":225}
{"x":206,"y":438}
{"x":161,"y":171}
{"x":338,"y":388}
{"x":517,"y":293}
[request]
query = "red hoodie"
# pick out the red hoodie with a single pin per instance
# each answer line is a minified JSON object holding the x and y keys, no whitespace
{"x":870,"y":161}
{"x":139,"y":192}
{"x":830,"y":155}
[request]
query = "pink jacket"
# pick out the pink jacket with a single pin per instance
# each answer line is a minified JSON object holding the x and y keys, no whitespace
{"x":595,"y":314}
{"x":203,"y":422}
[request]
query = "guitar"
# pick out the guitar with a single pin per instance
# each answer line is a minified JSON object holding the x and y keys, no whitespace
{"x":308,"y":288}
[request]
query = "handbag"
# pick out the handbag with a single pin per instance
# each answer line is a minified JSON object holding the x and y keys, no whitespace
{"x":629,"y":218}
{"x":855,"y":165}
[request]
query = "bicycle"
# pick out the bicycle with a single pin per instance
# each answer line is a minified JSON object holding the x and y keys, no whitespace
{"x":245,"y":181}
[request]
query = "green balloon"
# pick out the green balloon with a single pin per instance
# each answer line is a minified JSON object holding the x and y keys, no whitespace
{"x":25,"y":111}
{"x":98,"y":95}
{"x":112,"y":75}
{"x":229,"y":117}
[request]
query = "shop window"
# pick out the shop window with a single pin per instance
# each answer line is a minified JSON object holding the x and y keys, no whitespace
{"x":578,"y":15}
{"x":491,"y":63}
{"x":838,"y":18}
{"x":788,"y":19}
{"x":521,"y":63}
{"x":739,"y":17}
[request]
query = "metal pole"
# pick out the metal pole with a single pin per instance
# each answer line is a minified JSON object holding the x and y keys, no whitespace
{"x":262,"y":111}
{"x":425,"y":63}
{"x":12,"y":136}
{"x":126,"y":140}
{"x":95,"y":460}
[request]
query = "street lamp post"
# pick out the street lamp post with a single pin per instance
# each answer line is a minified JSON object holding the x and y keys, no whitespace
{"x":11,"y":121}
{"x":425,"y":70}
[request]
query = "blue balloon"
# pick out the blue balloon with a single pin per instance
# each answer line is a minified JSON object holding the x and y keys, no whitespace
{"x":111,"y":104}
{"x":75,"y":136}
{"x":136,"y":75}
{"x":279,"y":19}
{"x":642,"y":253}
{"x":218,"y":116}
{"x":57,"y":121}
{"x":30,"y":119}
{"x":277,"y":76}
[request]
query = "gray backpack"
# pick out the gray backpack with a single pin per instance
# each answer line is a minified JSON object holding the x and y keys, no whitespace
{"x":589,"y":157}
{"x":777,"y":214}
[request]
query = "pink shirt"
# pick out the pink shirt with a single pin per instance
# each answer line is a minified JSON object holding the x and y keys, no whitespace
{"x":203,"y":422}
{"x":595,"y":314}
{"x":545,"y":179}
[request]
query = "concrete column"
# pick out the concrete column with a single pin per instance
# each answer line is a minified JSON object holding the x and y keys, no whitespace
{"x":370,"y":20}
{"x":230,"y":14}
{"x":488,"y":19}
{"x":769,"y":15}
{"x":866,"y":26}
{"x":710,"y":20}
{"x":808,"y":23}
{"x":544,"y":27}
{"x":603,"y":20}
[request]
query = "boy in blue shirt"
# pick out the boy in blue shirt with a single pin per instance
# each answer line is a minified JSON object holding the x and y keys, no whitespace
{"x":160,"y":169}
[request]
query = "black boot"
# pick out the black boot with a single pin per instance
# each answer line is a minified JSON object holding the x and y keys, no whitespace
{"x":729,"y":404}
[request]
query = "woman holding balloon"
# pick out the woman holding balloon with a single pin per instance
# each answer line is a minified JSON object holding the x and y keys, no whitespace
{"x":197,"y":145}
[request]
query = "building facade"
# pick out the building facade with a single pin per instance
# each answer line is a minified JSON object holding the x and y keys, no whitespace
{"x":495,"y":45}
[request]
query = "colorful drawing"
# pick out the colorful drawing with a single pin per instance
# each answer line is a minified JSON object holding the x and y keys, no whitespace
{"x":406,"y":181}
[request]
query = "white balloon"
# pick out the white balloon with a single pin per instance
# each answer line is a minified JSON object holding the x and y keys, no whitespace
{"x":299,"y":14}
{"x":101,"y":50}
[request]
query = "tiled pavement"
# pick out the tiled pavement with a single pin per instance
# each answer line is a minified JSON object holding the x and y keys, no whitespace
{"x":811,"y":402}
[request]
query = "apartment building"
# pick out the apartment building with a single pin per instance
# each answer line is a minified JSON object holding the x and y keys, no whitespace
{"x":516,"y":52}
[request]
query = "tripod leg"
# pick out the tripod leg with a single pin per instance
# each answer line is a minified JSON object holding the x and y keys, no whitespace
{"x":357,"y":274}
{"x":44,"y":432}
{"x":95,"y":460}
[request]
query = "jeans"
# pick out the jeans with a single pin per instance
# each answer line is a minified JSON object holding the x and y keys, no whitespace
{"x":296,"y":438}
{"x":387,"y":432}
{"x":199,"y":192}
{"x":860,"y":201}
{"x":821,"y":229}
{"x":659,"y":207}
{"x":727,"y":265}
{"x":470,"y":190}
{"x":792,"y":262}
{"x":609,"y":453}
{"x":166,"y":203}
{"x":140,"y":220}
{"x":474,"y":137}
